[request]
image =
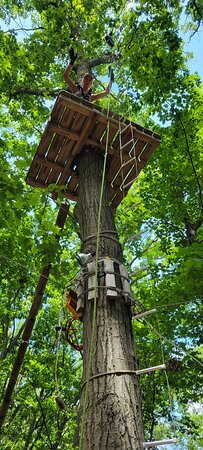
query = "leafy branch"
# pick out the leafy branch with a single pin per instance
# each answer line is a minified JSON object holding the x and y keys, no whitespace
{"x":190,"y":157}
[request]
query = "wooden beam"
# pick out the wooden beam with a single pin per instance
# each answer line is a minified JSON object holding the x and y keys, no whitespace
{"x":58,"y":167}
{"x":77,"y":107}
{"x":70,"y":195}
{"x":157,"y":443}
{"x":150,"y":369}
{"x":144,"y":133}
{"x":95,"y":143}
{"x":48,"y":163}
{"x":36,"y":183}
{"x":74,"y":135}
{"x":83,"y":135}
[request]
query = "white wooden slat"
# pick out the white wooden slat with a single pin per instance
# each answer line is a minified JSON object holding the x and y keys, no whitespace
{"x":163,"y":442}
{"x":91,"y":280}
{"x":125,"y":283}
{"x":151,"y":369}
{"x":110,"y":278}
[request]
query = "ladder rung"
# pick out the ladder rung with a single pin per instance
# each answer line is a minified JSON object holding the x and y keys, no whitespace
{"x":125,"y":145}
{"x":151,"y":369}
{"x":130,"y":182}
{"x":144,"y":313}
{"x":125,"y":128}
{"x":163,"y":442}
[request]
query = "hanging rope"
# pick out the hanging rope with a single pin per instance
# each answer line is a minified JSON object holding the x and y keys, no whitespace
{"x":167,"y":379}
{"x":71,"y":335}
{"x":58,"y":340}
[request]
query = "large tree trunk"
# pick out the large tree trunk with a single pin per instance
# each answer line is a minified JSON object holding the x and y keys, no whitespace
{"x":113,"y":416}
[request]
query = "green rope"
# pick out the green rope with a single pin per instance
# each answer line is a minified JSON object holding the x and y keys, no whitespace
{"x":90,"y":359}
{"x":58,"y":341}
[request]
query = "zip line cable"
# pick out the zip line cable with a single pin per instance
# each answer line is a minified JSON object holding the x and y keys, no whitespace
{"x":173,"y":343}
{"x":165,"y":338}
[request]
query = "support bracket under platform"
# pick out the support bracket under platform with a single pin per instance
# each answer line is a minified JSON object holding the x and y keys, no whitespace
{"x":75,"y":124}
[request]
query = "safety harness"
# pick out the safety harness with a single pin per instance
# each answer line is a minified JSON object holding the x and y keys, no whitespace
{"x":82,"y":94}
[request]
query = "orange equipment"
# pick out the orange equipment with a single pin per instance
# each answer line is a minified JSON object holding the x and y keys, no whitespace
{"x":71,"y":302}
{"x":71,"y":334}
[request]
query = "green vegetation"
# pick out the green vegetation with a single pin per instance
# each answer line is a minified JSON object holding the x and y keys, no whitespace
{"x":159,"y":222}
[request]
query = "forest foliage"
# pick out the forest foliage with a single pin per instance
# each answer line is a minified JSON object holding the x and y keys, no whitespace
{"x":160,"y":222}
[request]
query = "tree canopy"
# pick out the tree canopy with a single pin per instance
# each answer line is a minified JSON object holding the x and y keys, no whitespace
{"x":160,"y":222}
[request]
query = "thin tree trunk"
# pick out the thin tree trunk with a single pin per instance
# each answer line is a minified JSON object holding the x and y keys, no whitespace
{"x":30,"y":433}
{"x":113,"y":415}
{"x":29,"y":324}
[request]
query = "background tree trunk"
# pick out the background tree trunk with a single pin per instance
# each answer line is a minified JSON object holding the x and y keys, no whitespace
{"x":113,"y":416}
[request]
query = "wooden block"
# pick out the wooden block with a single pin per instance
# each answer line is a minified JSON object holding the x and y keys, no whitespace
{"x":91,"y":280}
{"x":110,"y":280}
{"x":80,"y":298}
{"x":125,"y":284}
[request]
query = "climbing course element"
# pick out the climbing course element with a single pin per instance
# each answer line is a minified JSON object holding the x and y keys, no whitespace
{"x":144,"y":313}
{"x":155,"y":443}
{"x":150,"y":369}
{"x":75,"y":124}
{"x":71,"y":334}
{"x":115,"y":282}
{"x":71,"y":302}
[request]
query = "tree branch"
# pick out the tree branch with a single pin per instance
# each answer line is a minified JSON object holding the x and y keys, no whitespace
{"x":43,"y":414}
{"x":145,"y":250}
{"x":104,"y":59}
{"x":135,"y":236}
{"x":142,"y":269}
{"x":23,"y":29}
{"x":194,"y":5}
{"x":152,"y":413}
{"x":39,"y":92}
{"x":191,"y":160}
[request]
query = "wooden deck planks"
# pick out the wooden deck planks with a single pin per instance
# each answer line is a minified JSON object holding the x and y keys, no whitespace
{"x":75,"y":123}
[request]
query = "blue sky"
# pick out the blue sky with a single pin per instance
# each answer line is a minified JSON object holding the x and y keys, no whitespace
{"x":195,"y":45}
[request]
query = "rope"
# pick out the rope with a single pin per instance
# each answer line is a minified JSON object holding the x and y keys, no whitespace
{"x":58,"y":340}
{"x":167,"y":379}
{"x":101,"y":235}
{"x":113,"y":372}
{"x":101,"y":232}
{"x":164,"y":337}
{"x":90,"y":359}
{"x":172,"y":343}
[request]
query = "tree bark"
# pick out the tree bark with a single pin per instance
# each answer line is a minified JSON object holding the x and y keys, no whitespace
{"x":113,"y":415}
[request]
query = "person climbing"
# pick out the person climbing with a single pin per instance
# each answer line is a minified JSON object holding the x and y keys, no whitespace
{"x":85,"y":89}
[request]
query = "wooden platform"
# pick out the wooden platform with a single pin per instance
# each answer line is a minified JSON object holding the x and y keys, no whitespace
{"x":75,"y":123}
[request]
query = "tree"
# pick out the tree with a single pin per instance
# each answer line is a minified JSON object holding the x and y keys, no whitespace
{"x":167,"y":198}
{"x":111,"y":409}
